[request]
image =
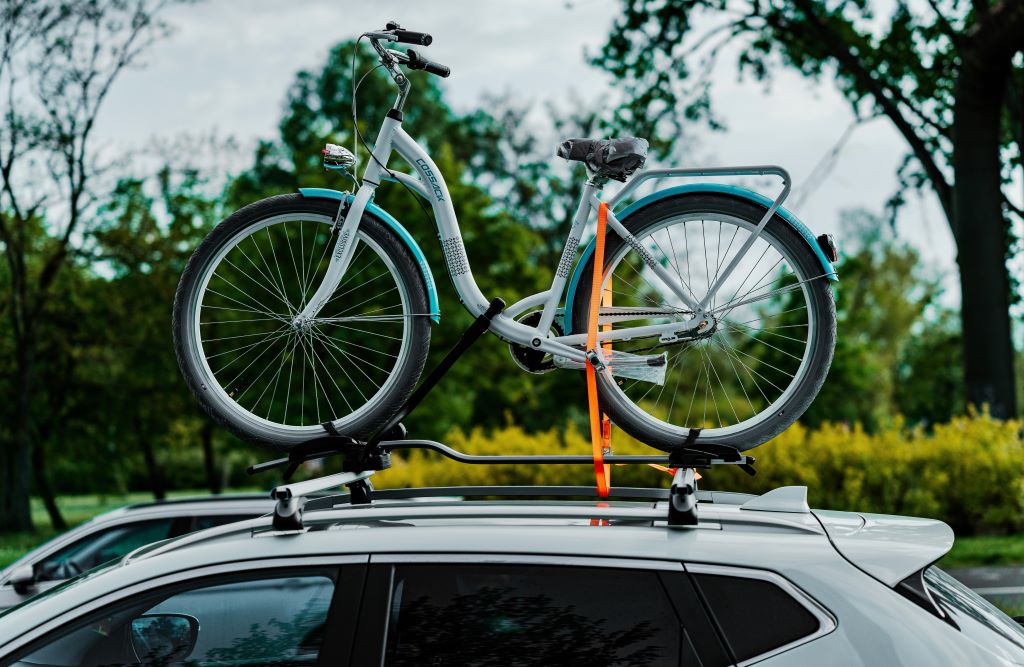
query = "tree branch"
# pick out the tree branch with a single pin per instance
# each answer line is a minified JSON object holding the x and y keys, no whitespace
{"x":947,"y":27}
{"x":883,"y":95}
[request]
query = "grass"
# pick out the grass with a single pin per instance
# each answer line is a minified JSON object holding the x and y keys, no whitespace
{"x":76,"y":510}
{"x":985,"y":550}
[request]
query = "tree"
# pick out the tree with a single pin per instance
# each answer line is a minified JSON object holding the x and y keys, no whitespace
{"x":884,"y":306}
{"x":145,"y":241}
{"x":946,"y":74}
{"x":58,"y":62}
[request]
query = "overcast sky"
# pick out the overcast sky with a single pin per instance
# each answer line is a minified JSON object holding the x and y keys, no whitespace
{"x":229,"y":63}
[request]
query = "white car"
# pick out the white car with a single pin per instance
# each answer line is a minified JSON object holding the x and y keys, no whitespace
{"x":113,"y":534}
{"x":426,"y":580}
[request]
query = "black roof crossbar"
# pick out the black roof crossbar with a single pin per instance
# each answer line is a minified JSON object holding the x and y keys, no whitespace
{"x":360,"y":459}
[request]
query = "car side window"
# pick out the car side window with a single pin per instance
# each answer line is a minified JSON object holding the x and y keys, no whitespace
{"x":755,"y":615}
{"x":469,"y":614}
{"x":101,"y":547}
{"x":268,"y":621}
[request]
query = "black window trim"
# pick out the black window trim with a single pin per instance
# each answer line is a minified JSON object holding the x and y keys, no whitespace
{"x":184,"y":578}
{"x":826,"y":621}
{"x":625,"y":562}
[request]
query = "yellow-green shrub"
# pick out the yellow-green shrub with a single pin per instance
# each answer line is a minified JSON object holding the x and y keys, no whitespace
{"x":968,"y":472}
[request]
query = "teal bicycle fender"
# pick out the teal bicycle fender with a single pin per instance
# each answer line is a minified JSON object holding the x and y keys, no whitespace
{"x":742,"y":193}
{"x":402,"y":232}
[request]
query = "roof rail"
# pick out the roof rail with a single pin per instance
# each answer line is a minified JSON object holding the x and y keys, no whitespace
{"x":361,"y":459}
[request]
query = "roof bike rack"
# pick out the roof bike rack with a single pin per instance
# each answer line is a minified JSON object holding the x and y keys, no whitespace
{"x":361,"y":459}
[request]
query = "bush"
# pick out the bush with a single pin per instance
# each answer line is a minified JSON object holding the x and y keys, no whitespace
{"x":966,"y":472}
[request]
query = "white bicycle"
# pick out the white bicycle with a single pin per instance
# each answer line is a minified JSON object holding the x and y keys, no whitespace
{"x":307,"y":311}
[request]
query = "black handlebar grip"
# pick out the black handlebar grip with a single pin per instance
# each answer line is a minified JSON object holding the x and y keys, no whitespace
{"x":416,"y":61}
{"x":412,"y":37}
{"x":437,"y":68}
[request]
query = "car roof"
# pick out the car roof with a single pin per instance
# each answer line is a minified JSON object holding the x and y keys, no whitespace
{"x":243,"y":503}
{"x":765,"y":532}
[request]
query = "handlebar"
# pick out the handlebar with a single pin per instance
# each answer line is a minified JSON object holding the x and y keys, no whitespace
{"x":408,"y":36}
{"x":411,"y":37}
{"x":416,"y":61}
{"x":411,"y":59}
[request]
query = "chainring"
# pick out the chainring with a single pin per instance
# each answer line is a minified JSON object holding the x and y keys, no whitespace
{"x":527,"y":358}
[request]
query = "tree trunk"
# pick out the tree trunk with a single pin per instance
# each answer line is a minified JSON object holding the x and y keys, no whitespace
{"x":153,"y":471}
{"x":981,"y":233}
{"x":212,"y":478}
{"x":15,"y":507}
{"x":43,"y":488}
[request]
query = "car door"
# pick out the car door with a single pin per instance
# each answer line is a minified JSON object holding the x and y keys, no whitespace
{"x":248,"y":615}
{"x":446,"y":610}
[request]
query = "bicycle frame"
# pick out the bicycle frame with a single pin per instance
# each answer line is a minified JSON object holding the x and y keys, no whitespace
{"x":392,"y":138}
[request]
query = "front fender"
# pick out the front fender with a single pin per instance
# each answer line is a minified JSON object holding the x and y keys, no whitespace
{"x":402,"y":232}
{"x":732,"y":190}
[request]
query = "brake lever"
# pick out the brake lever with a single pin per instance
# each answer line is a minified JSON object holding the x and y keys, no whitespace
{"x":400,"y":56}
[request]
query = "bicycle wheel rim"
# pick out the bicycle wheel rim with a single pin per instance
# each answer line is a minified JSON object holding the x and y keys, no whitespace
{"x":312,"y":423}
{"x":769,"y":408}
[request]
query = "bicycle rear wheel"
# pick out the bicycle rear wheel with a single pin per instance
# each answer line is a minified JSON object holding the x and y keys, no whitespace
{"x":771,"y":332}
{"x":274,"y":382}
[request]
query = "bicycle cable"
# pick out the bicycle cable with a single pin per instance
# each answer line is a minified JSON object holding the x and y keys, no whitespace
{"x":359,"y":137}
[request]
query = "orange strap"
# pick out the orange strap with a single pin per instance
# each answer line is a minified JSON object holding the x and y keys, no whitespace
{"x":602,"y":471}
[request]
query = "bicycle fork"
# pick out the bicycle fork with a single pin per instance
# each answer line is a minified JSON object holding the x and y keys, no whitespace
{"x":341,"y":256}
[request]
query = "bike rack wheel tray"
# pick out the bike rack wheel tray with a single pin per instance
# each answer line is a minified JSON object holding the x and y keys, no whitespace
{"x":361,"y":459}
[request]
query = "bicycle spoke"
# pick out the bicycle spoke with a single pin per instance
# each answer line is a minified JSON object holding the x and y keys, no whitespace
{"x":330,"y":343}
{"x":335,"y":345}
{"x":327,"y":348}
{"x":277,"y":333}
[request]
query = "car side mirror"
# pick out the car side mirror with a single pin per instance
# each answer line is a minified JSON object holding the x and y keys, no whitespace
{"x":23,"y":580}
{"x":164,"y":638}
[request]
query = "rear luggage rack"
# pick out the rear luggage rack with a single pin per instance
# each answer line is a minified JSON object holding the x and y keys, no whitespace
{"x":361,"y":459}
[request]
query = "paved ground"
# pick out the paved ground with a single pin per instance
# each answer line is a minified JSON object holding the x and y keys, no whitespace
{"x":1002,"y":585}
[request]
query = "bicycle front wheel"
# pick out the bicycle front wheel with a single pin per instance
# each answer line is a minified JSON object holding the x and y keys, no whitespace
{"x":270,"y":380}
{"x":769,"y":333}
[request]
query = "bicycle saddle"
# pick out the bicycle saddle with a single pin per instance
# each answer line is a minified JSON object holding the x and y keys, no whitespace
{"x":612,"y":158}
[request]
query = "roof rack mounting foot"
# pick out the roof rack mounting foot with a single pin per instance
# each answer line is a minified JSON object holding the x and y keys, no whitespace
{"x":360,"y":492}
{"x":291,"y":497}
{"x":682,"y":501}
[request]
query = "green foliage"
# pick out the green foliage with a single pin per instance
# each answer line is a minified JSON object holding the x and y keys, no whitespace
{"x":888,"y":341}
{"x":965,"y":472}
{"x":985,"y":550}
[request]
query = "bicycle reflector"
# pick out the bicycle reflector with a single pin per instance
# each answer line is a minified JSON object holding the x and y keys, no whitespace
{"x":827,"y":243}
{"x":337,"y":157}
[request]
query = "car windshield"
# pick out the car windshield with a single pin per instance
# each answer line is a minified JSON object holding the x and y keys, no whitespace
{"x":977,"y":617}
